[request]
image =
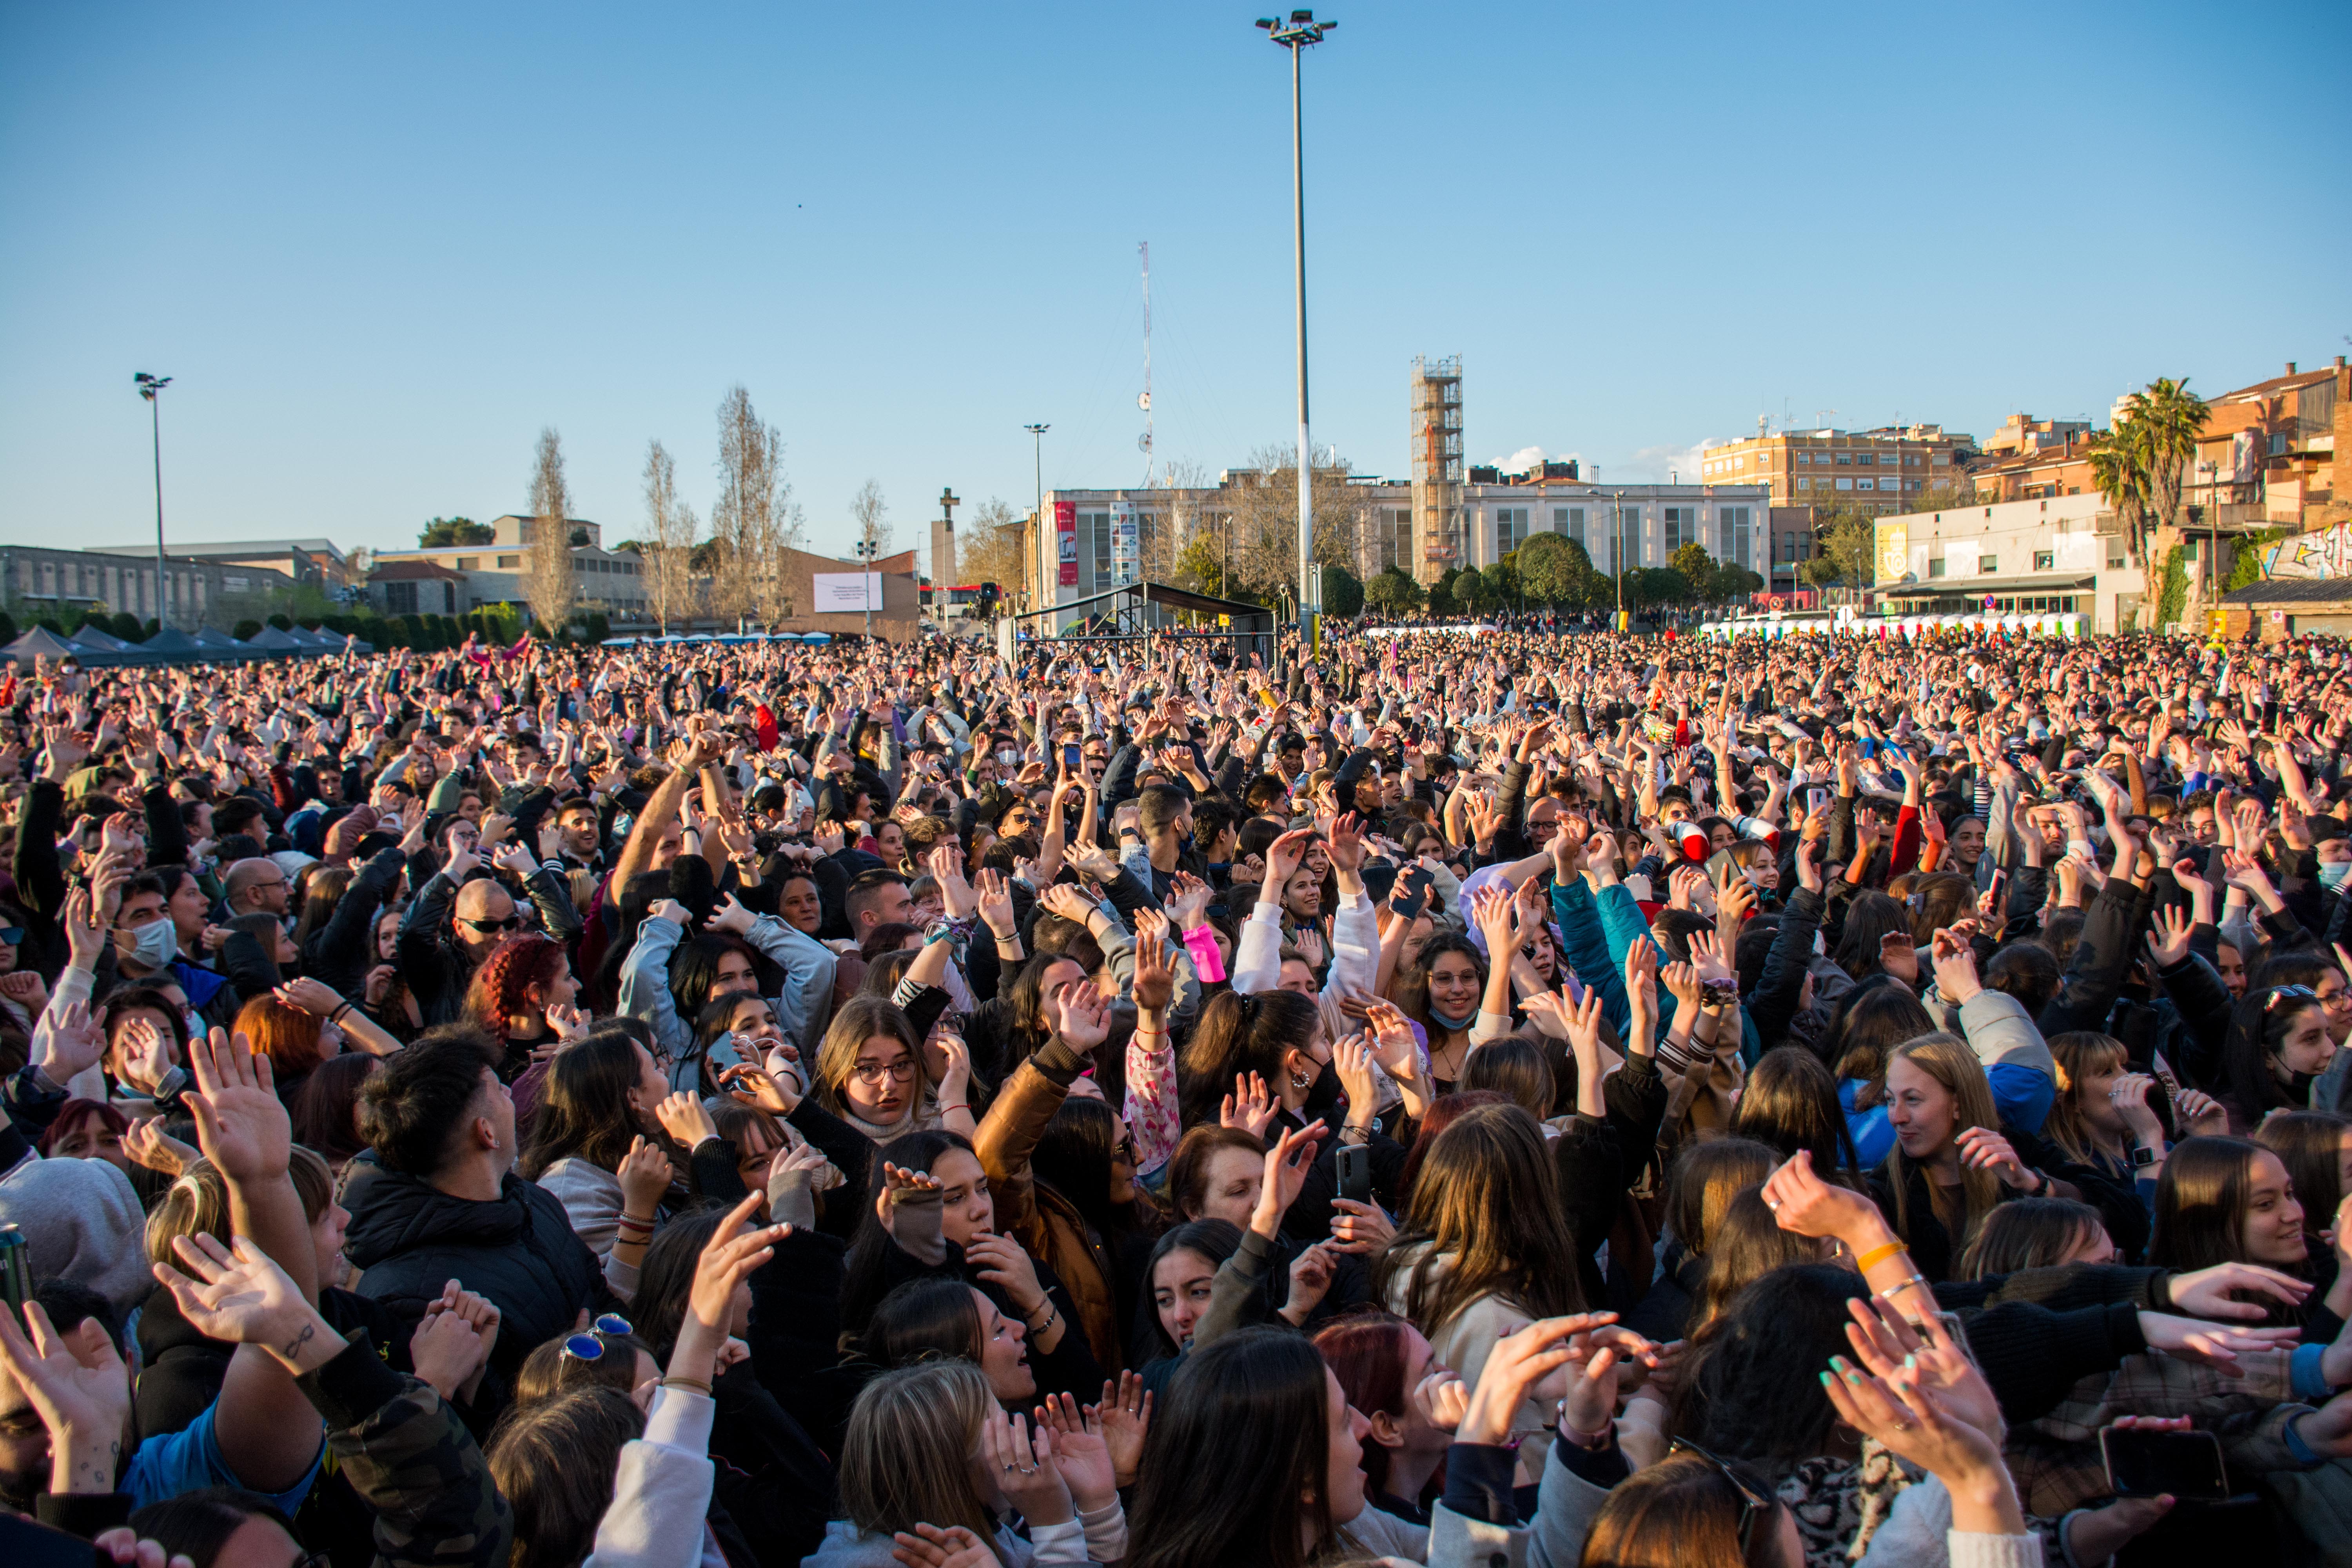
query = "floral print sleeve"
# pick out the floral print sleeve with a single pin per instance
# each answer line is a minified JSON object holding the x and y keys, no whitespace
{"x":1151,"y":1102}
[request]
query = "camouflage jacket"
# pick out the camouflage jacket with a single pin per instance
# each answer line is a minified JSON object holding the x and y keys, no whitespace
{"x":406,"y":1453}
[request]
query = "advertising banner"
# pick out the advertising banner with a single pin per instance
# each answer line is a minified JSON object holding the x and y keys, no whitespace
{"x":1126,"y":554}
{"x":1065,"y":539}
{"x":834,"y":592}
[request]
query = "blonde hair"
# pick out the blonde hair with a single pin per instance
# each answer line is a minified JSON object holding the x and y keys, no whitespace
{"x":905,"y":1456}
{"x":1948,"y":1060}
{"x":197,"y":1203}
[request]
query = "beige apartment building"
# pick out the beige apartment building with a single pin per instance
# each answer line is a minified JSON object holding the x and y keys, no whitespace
{"x":494,"y":574}
{"x":1867,"y":471}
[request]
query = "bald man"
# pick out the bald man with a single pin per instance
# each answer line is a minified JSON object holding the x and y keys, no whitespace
{"x":458,"y":919}
{"x":256,"y":887}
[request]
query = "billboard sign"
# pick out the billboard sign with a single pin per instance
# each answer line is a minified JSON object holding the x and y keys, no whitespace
{"x":1065,"y":541}
{"x":1126,"y":556}
{"x":835,"y":593}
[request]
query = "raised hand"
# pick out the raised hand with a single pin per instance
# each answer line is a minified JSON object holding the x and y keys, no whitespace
{"x":241,"y":1124}
{"x":1154,"y":986}
{"x":1081,"y":1015}
{"x":1081,"y":1451}
{"x":238,"y":1293}
{"x":2168,"y":942}
{"x":1287,"y":1164}
{"x":78,"y":1386}
{"x":1982,"y":1149}
{"x":1250,"y":1107}
{"x":1124,"y":1416}
{"x":644,"y":1175}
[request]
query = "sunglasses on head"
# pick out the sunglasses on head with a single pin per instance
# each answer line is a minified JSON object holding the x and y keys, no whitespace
{"x":590,"y":1344}
{"x":1753,"y":1504}
{"x":2289,"y":993}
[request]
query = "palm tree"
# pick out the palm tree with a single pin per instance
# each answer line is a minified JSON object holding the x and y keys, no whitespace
{"x":2166,"y":421}
{"x":2122,"y":477}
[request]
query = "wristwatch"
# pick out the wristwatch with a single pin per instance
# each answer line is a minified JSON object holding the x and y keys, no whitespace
{"x":2142,"y":1158}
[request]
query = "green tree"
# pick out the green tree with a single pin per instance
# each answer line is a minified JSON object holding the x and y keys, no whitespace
{"x":1394,"y":592}
{"x":1473,"y":595}
{"x":446,"y":533}
{"x":7,"y":629}
{"x":1201,"y":567}
{"x":246,"y":631}
{"x":1343,"y":593}
{"x":412,"y":631}
{"x":1442,"y":602}
{"x":2166,"y":420}
{"x":125,"y":626}
{"x":595,"y":628}
{"x":1848,"y":554}
{"x":1697,"y":568}
{"x":1504,"y":591}
{"x":1555,"y":570}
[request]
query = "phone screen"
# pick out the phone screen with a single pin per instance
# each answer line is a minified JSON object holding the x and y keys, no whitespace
{"x":1073,"y":758}
{"x":2151,"y":1464}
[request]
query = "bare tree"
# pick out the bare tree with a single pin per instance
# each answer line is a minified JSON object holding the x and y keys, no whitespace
{"x":988,"y":549}
{"x":1263,"y":503}
{"x":754,"y":522}
{"x":668,"y":546}
{"x":1175,"y":518}
{"x":871,"y":513}
{"x":548,"y":581}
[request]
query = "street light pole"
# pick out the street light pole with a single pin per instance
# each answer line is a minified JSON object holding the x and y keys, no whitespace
{"x":866,"y":556}
{"x":1617,"y":542}
{"x":150,"y":387}
{"x":1296,"y":35}
{"x":1037,"y":444}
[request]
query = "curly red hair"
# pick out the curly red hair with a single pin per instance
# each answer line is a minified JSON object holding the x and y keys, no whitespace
{"x":513,"y":967}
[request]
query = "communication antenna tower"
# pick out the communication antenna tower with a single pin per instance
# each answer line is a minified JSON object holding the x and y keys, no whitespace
{"x":1144,"y":402}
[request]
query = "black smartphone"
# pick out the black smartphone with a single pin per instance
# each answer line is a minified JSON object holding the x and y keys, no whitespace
{"x":2187,"y":1465}
{"x":1413,"y":892}
{"x":1354,"y":1162}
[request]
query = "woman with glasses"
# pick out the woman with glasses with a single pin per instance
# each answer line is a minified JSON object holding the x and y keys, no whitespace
{"x":2277,"y":1046}
{"x":869,"y":1072}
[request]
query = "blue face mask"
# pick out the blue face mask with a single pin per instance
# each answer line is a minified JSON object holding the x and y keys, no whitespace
{"x":1443,"y":1021}
{"x":2332,"y":877}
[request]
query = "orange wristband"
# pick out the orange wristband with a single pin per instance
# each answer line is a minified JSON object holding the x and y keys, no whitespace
{"x":1878,"y":1255}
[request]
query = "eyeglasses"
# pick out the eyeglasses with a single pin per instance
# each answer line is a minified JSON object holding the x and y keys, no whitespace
{"x":512,"y":923}
{"x":1125,"y":1149}
{"x":590,"y":1345}
{"x":872,"y":1073}
{"x":1753,"y":1504}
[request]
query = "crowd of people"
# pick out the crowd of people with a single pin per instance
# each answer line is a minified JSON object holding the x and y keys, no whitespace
{"x":1515,"y":1099}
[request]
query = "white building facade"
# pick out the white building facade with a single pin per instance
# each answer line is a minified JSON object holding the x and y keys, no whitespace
{"x":2056,"y":555}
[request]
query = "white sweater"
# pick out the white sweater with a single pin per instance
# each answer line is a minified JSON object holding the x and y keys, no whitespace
{"x":662,"y":1491}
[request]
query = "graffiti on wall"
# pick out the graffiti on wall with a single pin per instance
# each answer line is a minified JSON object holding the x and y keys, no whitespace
{"x":2327,"y":554}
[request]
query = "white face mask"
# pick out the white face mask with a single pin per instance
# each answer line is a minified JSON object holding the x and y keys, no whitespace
{"x":1007,"y":757}
{"x":156,"y":944}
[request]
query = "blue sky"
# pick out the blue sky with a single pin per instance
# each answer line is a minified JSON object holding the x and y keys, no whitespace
{"x":380,"y":247}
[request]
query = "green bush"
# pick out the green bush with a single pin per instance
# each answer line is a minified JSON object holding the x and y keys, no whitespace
{"x":283,"y":622}
{"x":125,"y":626}
{"x":8,"y":632}
{"x":596,"y":627}
{"x":412,"y":631}
{"x":246,"y":631}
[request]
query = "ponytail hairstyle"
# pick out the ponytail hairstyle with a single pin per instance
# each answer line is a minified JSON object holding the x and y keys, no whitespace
{"x":1240,"y":1033}
{"x":514,"y":966}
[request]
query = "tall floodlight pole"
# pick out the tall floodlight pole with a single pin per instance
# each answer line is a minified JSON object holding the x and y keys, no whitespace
{"x":1037,"y":444}
{"x":1617,"y":523}
{"x":151,"y":388}
{"x":1296,"y":35}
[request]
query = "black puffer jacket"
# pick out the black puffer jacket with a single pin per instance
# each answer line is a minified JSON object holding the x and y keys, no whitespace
{"x":409,"y":1238}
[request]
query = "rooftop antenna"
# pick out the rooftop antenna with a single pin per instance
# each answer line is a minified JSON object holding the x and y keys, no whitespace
{"x":1144,"y":402}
